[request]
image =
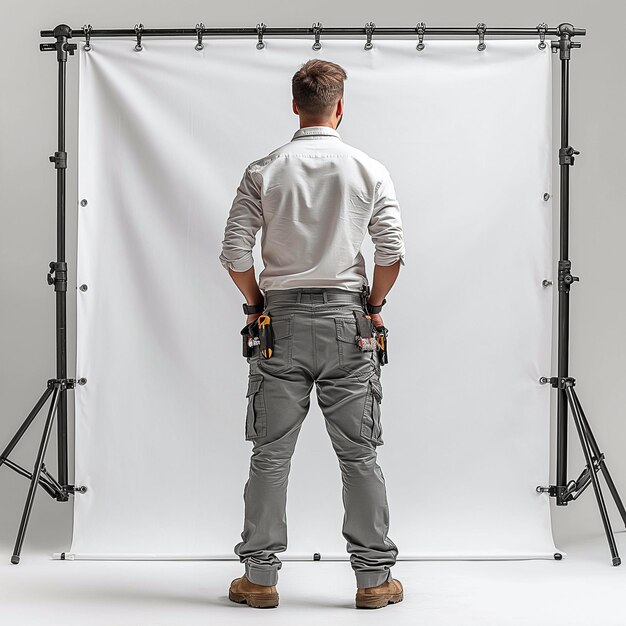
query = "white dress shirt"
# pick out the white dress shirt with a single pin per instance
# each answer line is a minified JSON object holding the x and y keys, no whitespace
{"x":314,"y":198}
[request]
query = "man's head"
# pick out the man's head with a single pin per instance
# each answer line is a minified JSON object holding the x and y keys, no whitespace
{"x":317,"y":89}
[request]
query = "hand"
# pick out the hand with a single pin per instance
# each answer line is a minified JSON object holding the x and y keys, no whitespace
{"x":252,"y":317}
{"x":377,"y":320}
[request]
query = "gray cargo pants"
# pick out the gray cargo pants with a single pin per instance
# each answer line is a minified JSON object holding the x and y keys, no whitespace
{"x":314,"y":343}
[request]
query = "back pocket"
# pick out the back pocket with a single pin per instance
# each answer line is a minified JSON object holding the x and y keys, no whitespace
{"x":352,"y":360}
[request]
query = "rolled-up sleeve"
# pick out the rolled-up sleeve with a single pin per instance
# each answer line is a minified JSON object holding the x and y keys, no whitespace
{"x":244,"y":221}
{"x":385,"y":226}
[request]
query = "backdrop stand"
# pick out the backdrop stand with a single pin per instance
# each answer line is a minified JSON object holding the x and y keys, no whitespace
{"x":563,"y":491}
{"x":567,"y":491}
{"x":58,"y":489}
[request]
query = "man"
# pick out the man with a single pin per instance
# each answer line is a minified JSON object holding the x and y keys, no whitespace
{"x":315,"y":197}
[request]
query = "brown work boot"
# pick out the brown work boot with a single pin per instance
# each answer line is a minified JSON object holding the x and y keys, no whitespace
{"x":243,"y":591}
{"x":389,"y":592}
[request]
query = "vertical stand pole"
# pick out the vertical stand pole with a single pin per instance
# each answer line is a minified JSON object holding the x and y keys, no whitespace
{"x":62,"y":34}
{"x":565,"y":278}
{"x":563,"y":328}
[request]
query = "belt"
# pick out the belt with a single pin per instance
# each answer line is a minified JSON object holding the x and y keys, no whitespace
{"x":308,"y":295}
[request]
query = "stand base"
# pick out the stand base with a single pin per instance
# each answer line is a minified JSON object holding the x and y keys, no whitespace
{"x":595,"y":463}
{"x":39,"y":476}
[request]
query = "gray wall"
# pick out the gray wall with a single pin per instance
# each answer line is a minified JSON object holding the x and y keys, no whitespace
{"x":28,"y":206}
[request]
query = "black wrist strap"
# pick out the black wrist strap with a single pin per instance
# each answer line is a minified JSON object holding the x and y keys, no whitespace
{"x":249,"y":309}
{"x":372,"y":308}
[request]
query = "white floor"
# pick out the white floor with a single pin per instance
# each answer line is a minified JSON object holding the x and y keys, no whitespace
{"x":583,"y":588}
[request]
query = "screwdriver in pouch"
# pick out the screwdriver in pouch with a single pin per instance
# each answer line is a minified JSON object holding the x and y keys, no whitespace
{"x":266,"y":336}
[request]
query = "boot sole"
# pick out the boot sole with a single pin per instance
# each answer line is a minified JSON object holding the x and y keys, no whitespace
{"x":378,"y":601}
{"x":257,"y":600}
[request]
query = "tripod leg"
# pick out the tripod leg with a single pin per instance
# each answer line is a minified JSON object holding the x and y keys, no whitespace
{"x":594,"y":477}
{"x":598,"y":454}
{"x":15,"y":559}
{"x":24,"y":427}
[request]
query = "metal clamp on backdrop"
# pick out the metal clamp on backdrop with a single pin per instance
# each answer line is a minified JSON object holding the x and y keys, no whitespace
{"x":199,"y":29}
{"x":481,"y":29}
{"x":421,"y":29}
{"x":369,"y":31}
{"x":317,"y":30}
{"x":87,"y":30}
{"x":260,"y":29}
{"x":138,"y":32}
{"x":542,"y":28}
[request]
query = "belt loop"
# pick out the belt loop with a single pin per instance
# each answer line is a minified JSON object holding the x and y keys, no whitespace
{"x":325,"y":292}
{"x":299,"y":296}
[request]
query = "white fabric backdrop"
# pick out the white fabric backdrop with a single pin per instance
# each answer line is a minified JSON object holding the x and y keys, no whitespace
{"x":164,"y":137}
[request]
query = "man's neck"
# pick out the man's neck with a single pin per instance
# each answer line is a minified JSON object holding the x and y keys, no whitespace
{"x":307,"y":124}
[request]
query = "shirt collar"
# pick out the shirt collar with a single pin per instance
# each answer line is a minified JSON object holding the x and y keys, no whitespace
{"x":315,"y":131}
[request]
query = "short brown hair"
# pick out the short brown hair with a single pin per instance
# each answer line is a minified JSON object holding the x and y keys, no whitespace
{"x":317,"y":86}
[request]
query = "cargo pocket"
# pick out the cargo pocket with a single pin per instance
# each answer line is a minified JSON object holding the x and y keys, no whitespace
{"x":281,"y":358}
{"x":371,"y":426}
{"x":256,"y":416}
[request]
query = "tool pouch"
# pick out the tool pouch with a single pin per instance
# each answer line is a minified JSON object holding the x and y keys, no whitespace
{"x":250,"y":338}
{"x":371,"y":338}
{"x":365,"y":339}
{"x":381,"y":340}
